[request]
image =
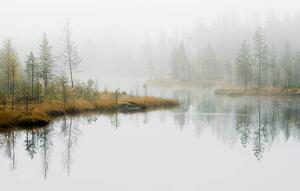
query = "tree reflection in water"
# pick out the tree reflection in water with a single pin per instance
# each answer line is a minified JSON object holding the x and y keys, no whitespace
{"x":184,"y":98}
{"x":45,"y":145}
{"x":265,"y":122}
{"x":70,"y":133}
{"x":8,"y":145}
{"x":115,"y":120}
{"x":258,"y":122}
{"x":253,"y":123}
{"x":31,"y":143}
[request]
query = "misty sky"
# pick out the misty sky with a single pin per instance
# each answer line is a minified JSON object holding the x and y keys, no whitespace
{"x":141,"y":15}
{"x":122,"y":21}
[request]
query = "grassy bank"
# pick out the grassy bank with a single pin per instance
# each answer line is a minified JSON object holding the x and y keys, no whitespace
{"x":42,"y":113}
{"x":267,"y":91}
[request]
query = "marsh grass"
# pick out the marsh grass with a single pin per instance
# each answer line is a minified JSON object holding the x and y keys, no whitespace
{"x":42,"y":113}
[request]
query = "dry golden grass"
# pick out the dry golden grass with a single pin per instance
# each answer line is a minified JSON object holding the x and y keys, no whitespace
{"x":8,"y":116}
{"x":150,"y":102}
{"x":50,"y":108}
{"x":41,"y":114}
{"x":105,"y":102}
{"x":21,"y":118}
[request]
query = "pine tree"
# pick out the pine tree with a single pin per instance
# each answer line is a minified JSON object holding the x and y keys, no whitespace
{"x":274,"y":67}
{"x":31,"y":71}
{"x":261,"y":52}
{"x":288,"y":68}
{"x":180,"y":66}
{"x":46,"y":62}
{"x":243,"y":64}
{"x":297,"y":69}
{"x":210,"y":64}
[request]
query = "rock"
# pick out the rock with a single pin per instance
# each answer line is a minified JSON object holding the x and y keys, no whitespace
{"x":129,"y":107}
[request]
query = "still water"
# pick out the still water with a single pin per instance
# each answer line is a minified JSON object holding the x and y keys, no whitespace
{"x":208,"y":143}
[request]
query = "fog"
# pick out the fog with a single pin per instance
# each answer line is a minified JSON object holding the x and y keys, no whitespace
{"x":120,"y":38}
{"x":151,"y":94}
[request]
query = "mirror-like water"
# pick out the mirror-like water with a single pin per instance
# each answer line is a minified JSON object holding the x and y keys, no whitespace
{"x":209,"y":143}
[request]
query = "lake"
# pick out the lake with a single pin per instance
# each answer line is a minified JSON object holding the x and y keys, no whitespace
{"x":208,"y":143}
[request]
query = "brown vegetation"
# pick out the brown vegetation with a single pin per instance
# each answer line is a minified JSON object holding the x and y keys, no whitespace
{"x":40,"y":114}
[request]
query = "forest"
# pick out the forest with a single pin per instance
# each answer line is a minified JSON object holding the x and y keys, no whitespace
{"x":155,"y":95}
{"x":44,"y":86}
{"x":232,"y":52}
{"x":251,"y":55}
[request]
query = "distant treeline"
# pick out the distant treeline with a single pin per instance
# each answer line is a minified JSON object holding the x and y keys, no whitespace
{"x":243,"y":51}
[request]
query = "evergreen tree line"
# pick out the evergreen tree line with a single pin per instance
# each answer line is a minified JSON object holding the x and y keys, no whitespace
{"x":43,"y":75}
{"x":261,"y":67}
{"x":248,"y":53}
{"x":256,"y":66}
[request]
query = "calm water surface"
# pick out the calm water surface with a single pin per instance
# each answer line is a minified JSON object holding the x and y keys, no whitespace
{"x":209,"y":143}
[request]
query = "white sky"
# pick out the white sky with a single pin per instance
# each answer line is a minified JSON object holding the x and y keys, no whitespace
{"x":31,"y":16}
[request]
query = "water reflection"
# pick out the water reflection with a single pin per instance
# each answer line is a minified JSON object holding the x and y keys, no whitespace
{"x":45,"y":145}
{"x":40,"y":140}
{"x":115,"y":121}
{"x":256,"y":122}
{"x":8,"y":146}
{"x":70,"y":132}
{"x":263,"y":122}
{"x":252,"y":123}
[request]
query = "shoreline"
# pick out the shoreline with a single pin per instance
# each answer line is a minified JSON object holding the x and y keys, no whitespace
{"x":267,"y":91}
{"x":226,"y":89}
{"x":40,"y":115}
{"x":185,"y":84}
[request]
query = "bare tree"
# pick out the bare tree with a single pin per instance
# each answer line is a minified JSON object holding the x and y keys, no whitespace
{"x":69,"y":56}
